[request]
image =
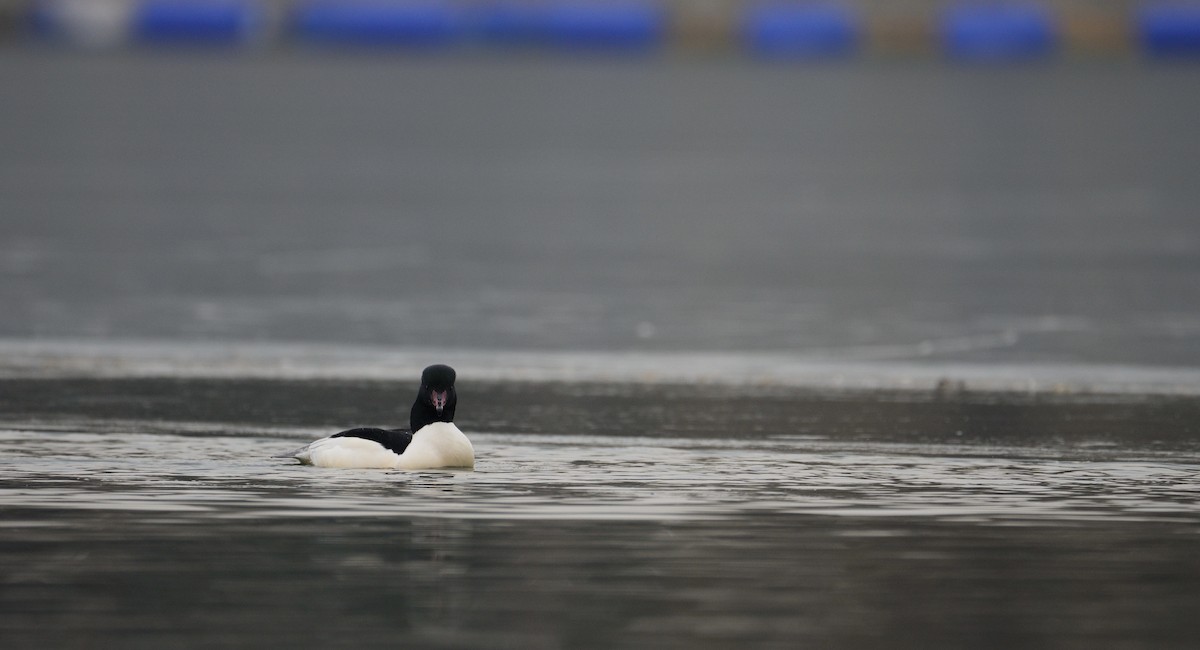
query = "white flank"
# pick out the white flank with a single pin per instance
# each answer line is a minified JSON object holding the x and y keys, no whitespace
{"x":348,"y":453}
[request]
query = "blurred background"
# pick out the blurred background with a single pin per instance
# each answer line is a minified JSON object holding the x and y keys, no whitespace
{"x":793,"y":28}
{"x":911,"y":181}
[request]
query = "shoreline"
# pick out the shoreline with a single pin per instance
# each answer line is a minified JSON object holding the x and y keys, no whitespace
{"x":784,"y":373}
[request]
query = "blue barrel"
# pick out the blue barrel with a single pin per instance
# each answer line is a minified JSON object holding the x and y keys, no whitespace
{"x":998,"y":32}
{"x":801,"y":31}
{"x":509,"y":22}
{"x":618,"y":25}
{"x":366,"y":23}
{"x":1169,"y":29}
{"x":42,"y":20}
{"x":199,"y":22}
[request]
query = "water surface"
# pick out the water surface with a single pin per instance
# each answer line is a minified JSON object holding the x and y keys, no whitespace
{"x":875,"y":211}
{"x":838,"y":532}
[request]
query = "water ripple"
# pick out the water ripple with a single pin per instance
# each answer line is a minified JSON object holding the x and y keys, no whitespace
{"x":577,"y":477}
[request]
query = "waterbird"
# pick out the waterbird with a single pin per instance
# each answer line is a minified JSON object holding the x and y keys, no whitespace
{"x":431,"y":442}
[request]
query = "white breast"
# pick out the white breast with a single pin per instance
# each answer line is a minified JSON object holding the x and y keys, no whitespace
{"x":438,"y":444}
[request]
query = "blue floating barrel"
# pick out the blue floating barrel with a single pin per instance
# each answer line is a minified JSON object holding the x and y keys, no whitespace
{"x":1170,"y":29}
{"x":618,"y":25}
{"x":512,"y":22}
{"x":43,"y":19}
{"x":795,"y":30}
{"x":367,"y":23}
{"x":998,"y":32}
{"x":199,"y":22}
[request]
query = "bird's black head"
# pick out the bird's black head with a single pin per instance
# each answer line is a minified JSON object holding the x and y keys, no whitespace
{"x":436,"y":398}
{"x":438,"y":377}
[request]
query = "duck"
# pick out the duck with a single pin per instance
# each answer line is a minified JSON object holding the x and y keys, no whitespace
{"x":432,"y":441}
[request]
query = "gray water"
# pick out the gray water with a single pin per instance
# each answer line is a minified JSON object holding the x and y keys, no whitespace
{"x":879,"y":211}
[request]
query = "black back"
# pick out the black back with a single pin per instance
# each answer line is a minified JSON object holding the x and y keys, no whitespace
{"x":394,"y":439}
{"x":434,"y":378}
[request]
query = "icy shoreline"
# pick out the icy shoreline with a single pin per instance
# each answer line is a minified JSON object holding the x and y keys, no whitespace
{"x":50,"y":359}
